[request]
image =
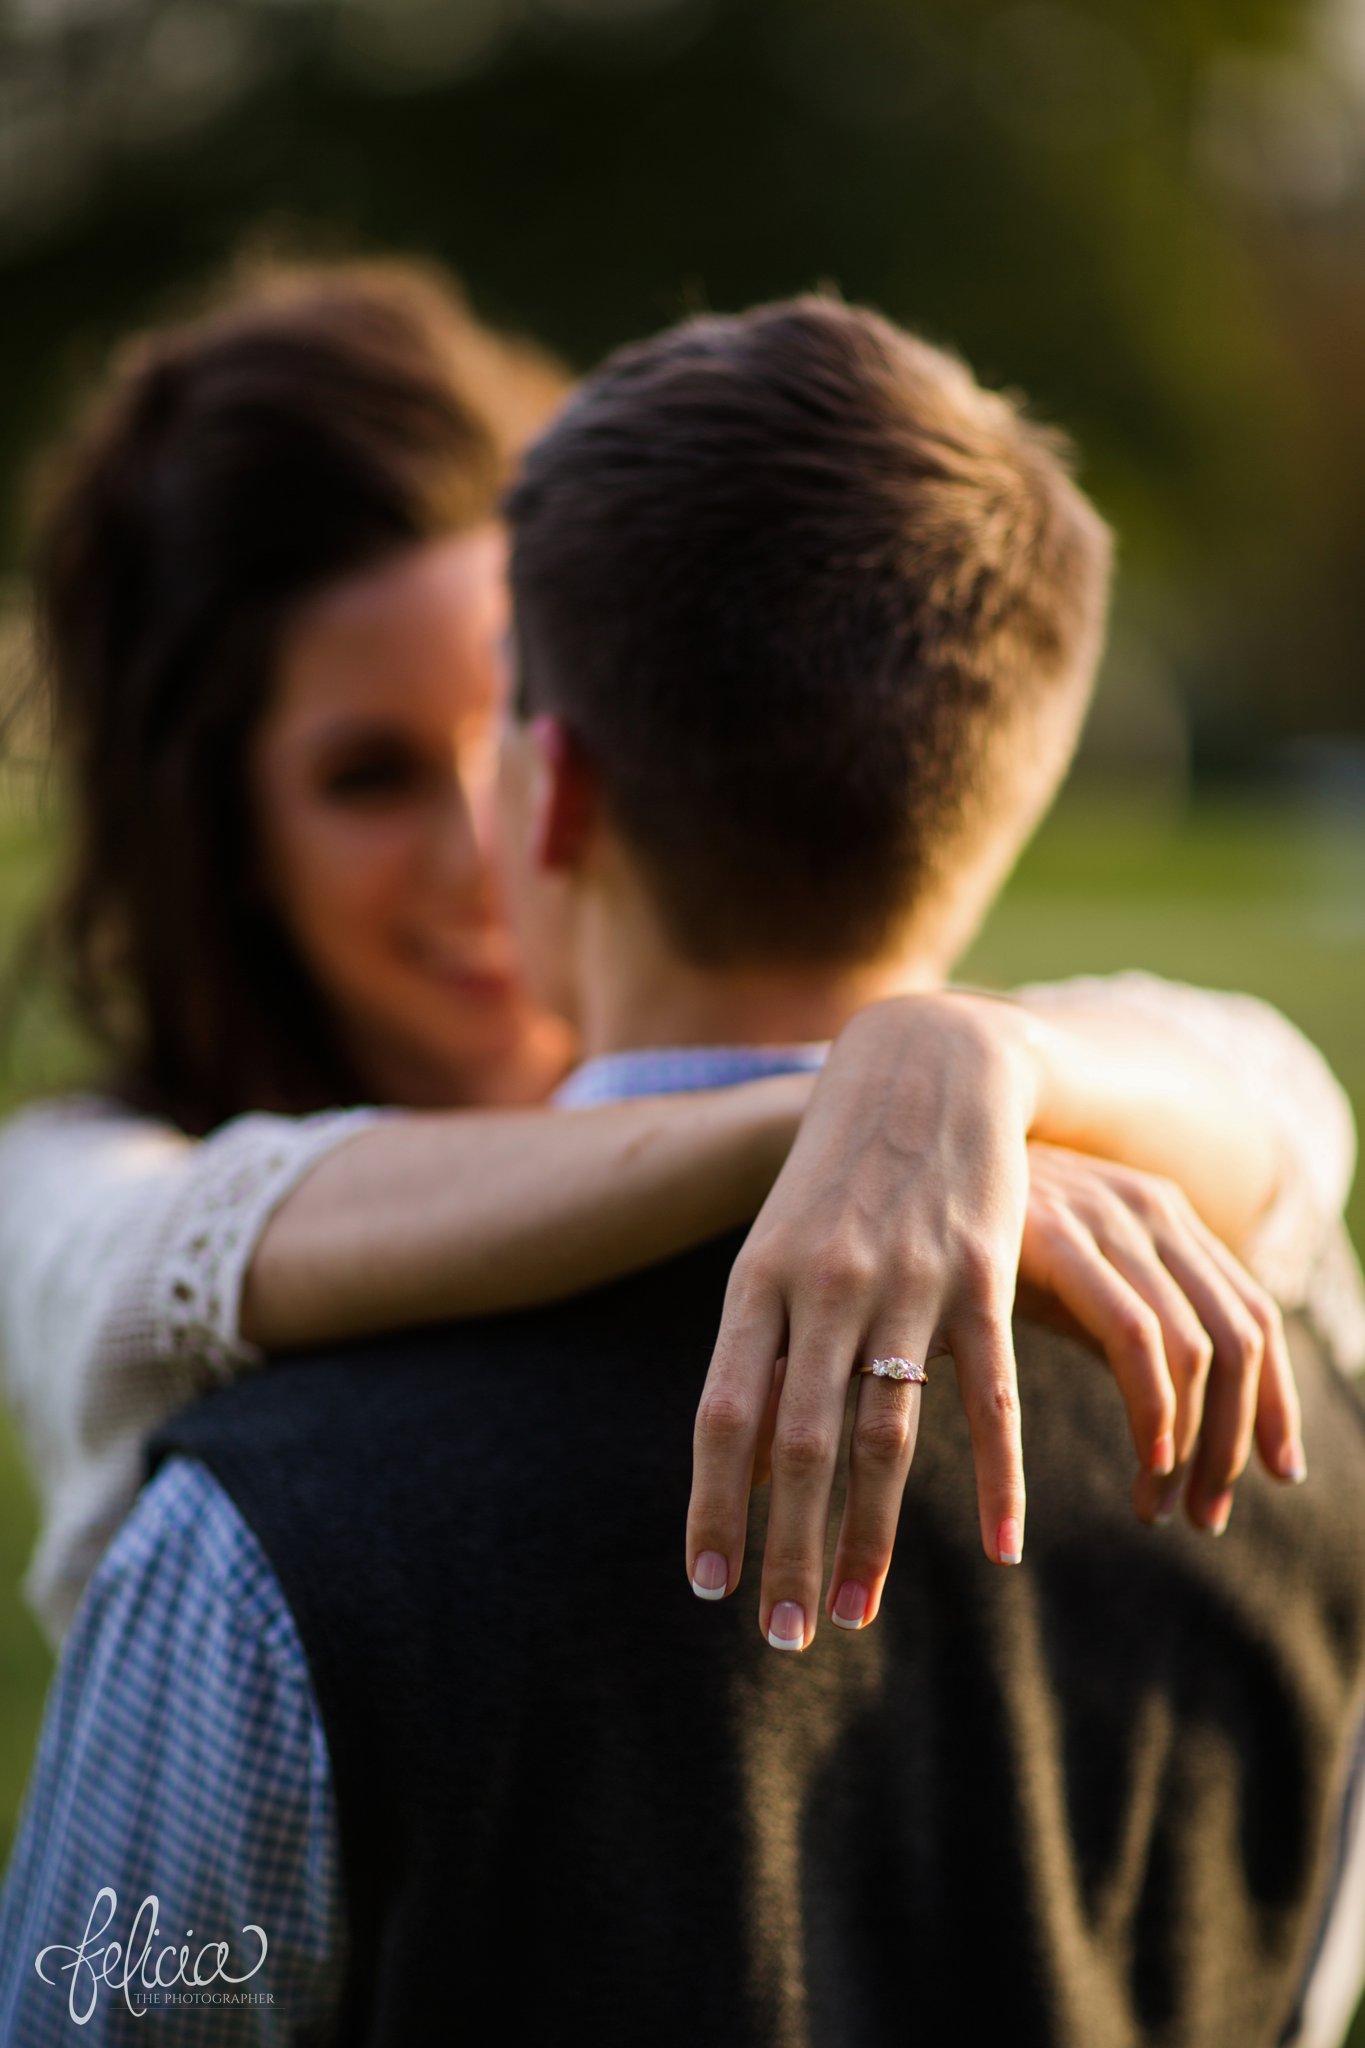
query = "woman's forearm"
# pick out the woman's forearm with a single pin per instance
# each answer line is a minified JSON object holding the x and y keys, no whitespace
{"x":456,"y":1213}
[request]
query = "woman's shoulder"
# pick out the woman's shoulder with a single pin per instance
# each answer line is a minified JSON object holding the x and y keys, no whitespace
{"x":87,"y":1159}
{"x":82,"y":1109}
{"x":1271,"y":1054}
{"x":73,"y":1103}
{"x":1157,"y":995}
{"x":64,"y":1121}
{"x":73,"y":1106}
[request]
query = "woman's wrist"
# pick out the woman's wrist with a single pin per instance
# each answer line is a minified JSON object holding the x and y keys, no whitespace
{"x":1012,"y":1049}
{"x":1027,"y":1044}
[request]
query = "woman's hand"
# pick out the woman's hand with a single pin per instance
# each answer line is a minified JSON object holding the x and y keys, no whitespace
{"x":1196,"y":1345}
{"x":894,"y":1229}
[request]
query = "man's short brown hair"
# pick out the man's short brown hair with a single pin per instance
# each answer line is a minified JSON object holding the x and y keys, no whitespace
{"x":801,"y":589}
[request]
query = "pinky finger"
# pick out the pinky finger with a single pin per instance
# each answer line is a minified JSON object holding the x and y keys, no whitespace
{"x":1279,"y":1422}
{"x":982,"y":1347}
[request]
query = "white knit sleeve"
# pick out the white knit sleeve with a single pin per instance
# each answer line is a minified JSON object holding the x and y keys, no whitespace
{"x":123,"y":1247}
{"x":1299,"y":1249}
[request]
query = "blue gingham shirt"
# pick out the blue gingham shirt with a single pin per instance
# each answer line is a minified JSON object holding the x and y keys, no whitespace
{"x":182,"y":1760}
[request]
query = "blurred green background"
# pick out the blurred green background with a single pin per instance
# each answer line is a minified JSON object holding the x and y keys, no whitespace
{"x":1147,"y":214}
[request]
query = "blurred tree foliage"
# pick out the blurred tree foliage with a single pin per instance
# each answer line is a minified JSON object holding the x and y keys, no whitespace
{"x":1126,"y":209}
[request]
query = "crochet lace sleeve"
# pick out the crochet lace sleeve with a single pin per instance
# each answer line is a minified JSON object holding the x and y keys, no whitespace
{"x":1299,"y":1249}
{"x":123,"y":1248}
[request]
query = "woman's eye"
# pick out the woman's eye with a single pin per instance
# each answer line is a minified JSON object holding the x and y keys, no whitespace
{"x":361,"y":779}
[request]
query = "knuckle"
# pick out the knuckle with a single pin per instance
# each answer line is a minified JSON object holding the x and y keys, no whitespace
{"x":1245,"y":1349}
{"x":843,"y":1272}
{"x":1190,"y":1355}
{"x":1112,"y":1211}
{"x":1155,"y":1200}
{"x":755,"y":1278}
{"x":909,"y":1272}
{"x":1137,"y":1330}
{"x":1055,"y":1216}
{"x":1132,"y":1189}
{"x":984,"y":1273}
{"x":1046,"y":1202}
{"x":1266,"y":1312}
{"x":785,"y":1564}
{"x":983,"y":1325}
{"x":723,"y":1421}
{"x":882,"y":1439}
{"x":1165,"y":1198}
{"x":802,"y":1450}
{"x":993,"y":1401}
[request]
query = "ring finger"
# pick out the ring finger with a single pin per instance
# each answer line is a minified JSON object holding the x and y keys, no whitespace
{"x":885,"y":1427}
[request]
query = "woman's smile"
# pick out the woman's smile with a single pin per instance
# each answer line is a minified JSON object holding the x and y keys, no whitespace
{"x":489,"y":973}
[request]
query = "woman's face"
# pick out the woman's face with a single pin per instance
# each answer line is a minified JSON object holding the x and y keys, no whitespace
{"x":372,"y":775}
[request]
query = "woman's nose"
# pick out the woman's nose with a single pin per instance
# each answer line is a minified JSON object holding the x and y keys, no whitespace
{"x":463,"y":848}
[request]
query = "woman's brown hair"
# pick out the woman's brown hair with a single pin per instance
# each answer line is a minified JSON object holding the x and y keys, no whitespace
{"x":318,"y":420}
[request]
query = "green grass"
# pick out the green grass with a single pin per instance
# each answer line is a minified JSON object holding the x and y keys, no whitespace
{"x":1234,"y":895}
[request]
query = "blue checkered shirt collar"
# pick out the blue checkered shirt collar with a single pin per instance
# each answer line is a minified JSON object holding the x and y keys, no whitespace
{"x":680,"y":1069}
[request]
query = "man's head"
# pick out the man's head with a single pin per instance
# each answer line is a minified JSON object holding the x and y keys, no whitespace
{"x":814,"y":620}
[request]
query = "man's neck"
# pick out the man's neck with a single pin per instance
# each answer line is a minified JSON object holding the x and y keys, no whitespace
{"x":640,"y":994}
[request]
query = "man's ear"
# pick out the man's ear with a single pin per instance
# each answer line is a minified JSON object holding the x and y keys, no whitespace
{"x":565,"y":798}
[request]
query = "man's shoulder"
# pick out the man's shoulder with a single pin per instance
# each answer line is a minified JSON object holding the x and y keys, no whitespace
{"x":558,"y":1369}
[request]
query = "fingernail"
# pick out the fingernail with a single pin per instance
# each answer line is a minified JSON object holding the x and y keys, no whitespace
{"x":851,"y":1605}
{"x":1163,"y":1455}
{"x":787,"y":1626}
{"x":710,"y":1576}
{"x":1219,"y":1508}
{"x":1293,"y":1464}
{"x":1169,"y":1502}
{"x":1009,"y":1542}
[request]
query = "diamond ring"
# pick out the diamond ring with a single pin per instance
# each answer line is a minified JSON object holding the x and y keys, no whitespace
{"x":896,"y":1369}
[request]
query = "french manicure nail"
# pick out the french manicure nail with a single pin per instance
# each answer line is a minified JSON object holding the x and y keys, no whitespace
{"x":1009,"y":1542}
{"x":710,"y":1575}
{"x":1218,"y":1511}
{"x":1293,"y":1464}
{"x":787,"y":1626}
{"x":851,"y":1604}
